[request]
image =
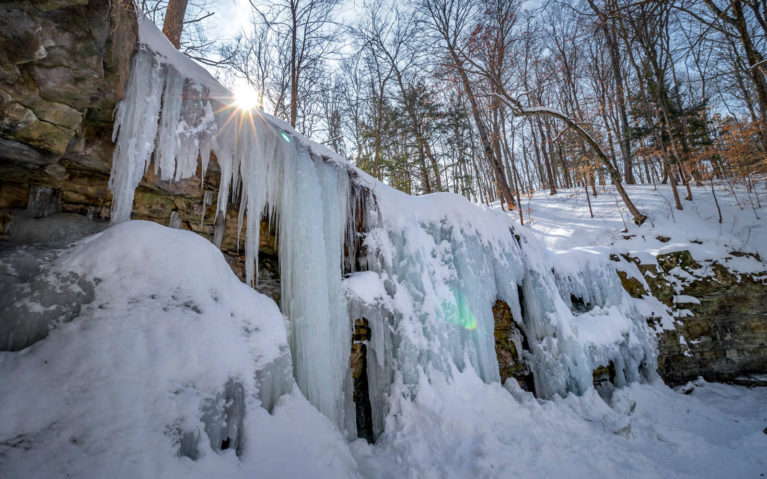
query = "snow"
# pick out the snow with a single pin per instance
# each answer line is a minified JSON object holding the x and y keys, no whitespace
{"x":685,"y":299}
{"x":144,"y":361}
{"x":365,"y":286}
{"x":152,"y":38}
{"x":562,"y":222}
{"x":466,"y":428}
{"x":112,"y":392}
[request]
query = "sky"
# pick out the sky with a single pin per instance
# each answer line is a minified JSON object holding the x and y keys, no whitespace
{"x":232,"y":16}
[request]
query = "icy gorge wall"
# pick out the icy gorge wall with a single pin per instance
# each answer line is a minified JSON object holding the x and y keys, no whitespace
{"x":381,"y":291}
{"x":430,"y":268}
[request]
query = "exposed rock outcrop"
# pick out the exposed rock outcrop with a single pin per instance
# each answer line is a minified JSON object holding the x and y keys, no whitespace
{"x":63,"y":67}
{"x":720,"y":329}
{"x":510,"y":347}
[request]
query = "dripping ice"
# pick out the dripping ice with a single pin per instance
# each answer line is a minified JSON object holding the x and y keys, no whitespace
{"x":436,"y":263}
{"x":272,"y":175}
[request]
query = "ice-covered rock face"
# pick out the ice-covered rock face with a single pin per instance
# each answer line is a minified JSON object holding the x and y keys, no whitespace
{"x":442,"y":263}
{"x":35,"y":297}
{"x":271,"y":172}
{"x":437,"y":264}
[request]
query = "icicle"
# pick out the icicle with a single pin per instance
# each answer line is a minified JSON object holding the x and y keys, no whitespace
{"x":43,"y":201}
{"x":175,"y":220}
{"x":136,"y":123}
{"x":167,"y":139}
{"x":204,"y":160}
{"x":223,"y":146}
{"x":312,"y":225}
{"x":196,"y":128}
{"x":218,"y":232}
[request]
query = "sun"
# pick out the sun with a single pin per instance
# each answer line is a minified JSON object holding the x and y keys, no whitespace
{"x":245,"y":97}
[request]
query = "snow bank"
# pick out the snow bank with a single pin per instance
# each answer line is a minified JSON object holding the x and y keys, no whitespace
{"x":562,"y":222}
{"x":163,"y":368}
{"x":466,"y":428}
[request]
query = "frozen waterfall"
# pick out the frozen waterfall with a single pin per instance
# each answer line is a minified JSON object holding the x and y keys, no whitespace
{"x":436,"y":264}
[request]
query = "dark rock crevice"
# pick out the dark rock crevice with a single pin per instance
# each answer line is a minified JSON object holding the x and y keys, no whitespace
{"x":511,"y":347}
{"x":359,"y":366}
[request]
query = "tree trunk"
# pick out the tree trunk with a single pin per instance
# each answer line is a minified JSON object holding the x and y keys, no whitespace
{"x":174,"y":21}
{"x":586,"y":189}
{"x":487,"y":148}
{"x":424,"y":170}
{"x":546,"y":162}
{"x":625,"y":141}
{"x":293,"y":65}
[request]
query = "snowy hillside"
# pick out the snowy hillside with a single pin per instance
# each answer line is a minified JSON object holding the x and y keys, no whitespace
{"x":166,"y":365}
{"x":172,"y":360}
{"x":563,"y":221}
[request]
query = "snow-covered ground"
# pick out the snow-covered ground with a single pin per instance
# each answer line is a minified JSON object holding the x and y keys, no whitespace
{"x":139,"y":377}
{"x":562,"y":221}
{"x":470,"y":429}
{"x":167,"y":359}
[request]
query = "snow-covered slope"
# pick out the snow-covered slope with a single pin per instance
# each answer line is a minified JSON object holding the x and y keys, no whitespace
{"x":562,"y":221}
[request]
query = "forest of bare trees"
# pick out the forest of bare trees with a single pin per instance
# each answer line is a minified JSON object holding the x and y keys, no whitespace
{"x":495,"y":99}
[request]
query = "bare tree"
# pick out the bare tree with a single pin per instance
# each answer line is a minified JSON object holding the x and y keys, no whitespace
{"x":183,"y":23}
{"x":309,"y":34}
{"x":449,"y":19}
{"x":174,"y":21}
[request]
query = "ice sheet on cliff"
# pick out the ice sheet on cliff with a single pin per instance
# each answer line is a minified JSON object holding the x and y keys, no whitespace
{"x":442,"y":261}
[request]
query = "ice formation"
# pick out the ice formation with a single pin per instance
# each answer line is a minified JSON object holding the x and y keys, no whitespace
{"x":438,"y":263}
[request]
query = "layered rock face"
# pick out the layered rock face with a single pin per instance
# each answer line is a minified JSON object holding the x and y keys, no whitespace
{"x":511,"y":347}
{"x":63,"y":68}
{"x":720,"y":329}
